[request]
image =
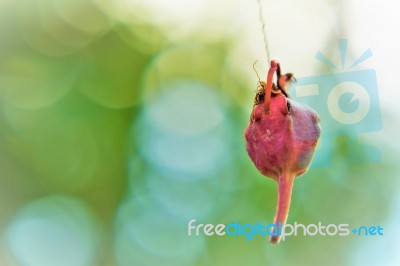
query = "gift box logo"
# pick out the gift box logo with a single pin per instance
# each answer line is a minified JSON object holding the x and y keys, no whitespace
{"x":348,"y":104}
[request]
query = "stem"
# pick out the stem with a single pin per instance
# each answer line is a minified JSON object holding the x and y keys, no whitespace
{"x":285,"y":186}
{"x":263,"y":29}
{"x":268,"y":86}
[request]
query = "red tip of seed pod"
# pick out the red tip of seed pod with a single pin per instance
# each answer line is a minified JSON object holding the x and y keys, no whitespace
{"x":268,"y":86}
{"x":274,"y":63}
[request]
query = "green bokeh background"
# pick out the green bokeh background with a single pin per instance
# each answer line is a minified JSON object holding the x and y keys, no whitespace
{"x":122,"y":120}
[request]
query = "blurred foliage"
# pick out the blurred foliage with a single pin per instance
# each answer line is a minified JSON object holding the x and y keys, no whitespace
{"x":117,"y":127}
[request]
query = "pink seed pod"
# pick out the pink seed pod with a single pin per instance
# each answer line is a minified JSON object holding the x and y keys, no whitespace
{"x":281,"y":138}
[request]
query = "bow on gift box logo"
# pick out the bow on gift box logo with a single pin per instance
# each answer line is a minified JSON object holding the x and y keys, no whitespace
{"x":348,"y":104}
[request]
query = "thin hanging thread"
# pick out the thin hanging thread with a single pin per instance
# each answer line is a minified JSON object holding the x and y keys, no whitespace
{"x":264,"y":31}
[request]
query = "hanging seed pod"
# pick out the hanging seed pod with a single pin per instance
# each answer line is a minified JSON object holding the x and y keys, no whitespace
{"x":281,"y":138}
